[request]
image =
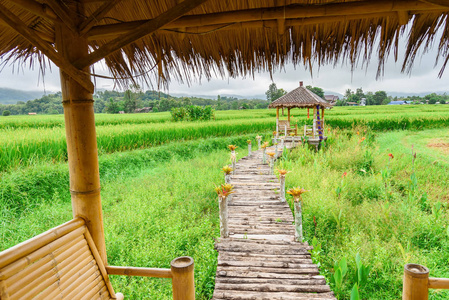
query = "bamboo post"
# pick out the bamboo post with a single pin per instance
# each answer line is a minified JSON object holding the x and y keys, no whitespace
{"x":276,"y":149}
{"x":258,"y":141}
{"x":223,"y":207}
{"x":416,"y":282}
{"x":81,"y":138}
{"x":282,"y":143}
{"x":183,"y":281}
{"x":288,"y":115}
{"x":233,"y":160}
{"x":227,"y":178}
{"x":277,"y":120}
{"x":249,"y":149}
{"x":272,"y":165}
{"x":298,"y":220}
{"x":264,"y":156}
{"x":282,"y":185}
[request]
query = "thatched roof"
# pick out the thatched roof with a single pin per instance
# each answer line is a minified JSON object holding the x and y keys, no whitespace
{"x":300,"y":97}
{"x":172,"y":39}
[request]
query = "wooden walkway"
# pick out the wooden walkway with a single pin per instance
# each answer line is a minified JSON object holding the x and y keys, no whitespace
{"x":260,"y":259}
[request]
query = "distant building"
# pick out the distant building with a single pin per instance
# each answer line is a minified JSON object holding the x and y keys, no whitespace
{"x":352,"y":103}
{"x":143,"y":110}
{"x":331,"y":99}
{"x":121,"y":112}
{"x":399,"y":102}
{"x":31,"y":113}
{"x":363,"y":102}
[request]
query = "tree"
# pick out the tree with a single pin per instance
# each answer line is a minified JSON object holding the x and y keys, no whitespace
{"x":6,"y":113}
{"x":316,"y":90}
{"x":379,"y":97}
{"x":112,"y":107}
{"x":274,"y":93}
{"x":130,"y":102}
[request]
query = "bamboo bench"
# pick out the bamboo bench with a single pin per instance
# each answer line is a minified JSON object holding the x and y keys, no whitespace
{"x":63,"y":263}
{"x":284,"y":126}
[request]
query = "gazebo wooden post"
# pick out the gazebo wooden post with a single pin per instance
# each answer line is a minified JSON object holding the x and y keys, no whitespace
{"x":314,"y":122}
{"x":277,"y":122}
{"x":81,"y":140}
{"x":322,"y":119}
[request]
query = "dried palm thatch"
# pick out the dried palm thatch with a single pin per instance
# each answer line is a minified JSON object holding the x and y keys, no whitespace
{"x":300,"y":97}
{"x":185,"y":40}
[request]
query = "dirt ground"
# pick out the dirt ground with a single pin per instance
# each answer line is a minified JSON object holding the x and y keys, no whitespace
{"x":440,"y":145}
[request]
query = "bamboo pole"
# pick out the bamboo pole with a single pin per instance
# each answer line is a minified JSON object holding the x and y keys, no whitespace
{"x":272,"y":158}
{"x":282,"y":185}
{"x":258,"y":142}
{"x":416,"y":281}
{"x":264,"y":156}
{"x":183,"y":278}
{"x":145,"y":272}
{"x":81,"y":139}
{"x":233,"y":160}
{"x":276,"y":151}
{"x":439,"y":283}
{"x":249,"y":149}
{"x":223,"y":208}
{"x":277,"y":122}
{"x":298,"y":220}
{"x":288,"y":114}
{"x":227,"y":178}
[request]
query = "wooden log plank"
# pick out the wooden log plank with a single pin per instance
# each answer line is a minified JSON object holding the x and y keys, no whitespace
{"x":250,"y":255}
{"x":304,"y":281}
{"x":264,"y":264}
{"x":248,"y":295}
{"x":269,"y":287}
{"x":281,"y":271}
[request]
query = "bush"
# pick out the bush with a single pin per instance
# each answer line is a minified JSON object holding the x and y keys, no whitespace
{"x":6,"y":113}
{"x":178,"y":114}
{"x":192,"y":113}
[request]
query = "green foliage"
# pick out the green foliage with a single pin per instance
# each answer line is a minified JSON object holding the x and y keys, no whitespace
{"x":6,"y":113}
{"x":274,"y":93}
{"x":316,"y":90}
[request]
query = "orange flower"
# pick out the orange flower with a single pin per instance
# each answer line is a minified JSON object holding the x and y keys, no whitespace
{"x":344,"y":175}
{"x":390,"y":155}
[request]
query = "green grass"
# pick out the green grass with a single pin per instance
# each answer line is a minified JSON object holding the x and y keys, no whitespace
{"x":157,"y":182}
{"x":382,"y":222}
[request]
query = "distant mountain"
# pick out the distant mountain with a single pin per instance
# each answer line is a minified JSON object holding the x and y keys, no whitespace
{"x":11,"y":96}
{"x":334,"y":93}
{"x":405,"y":94}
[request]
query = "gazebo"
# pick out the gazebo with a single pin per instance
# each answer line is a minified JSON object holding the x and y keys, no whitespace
{"x":301,"y":97}
{"x":162,"y":40}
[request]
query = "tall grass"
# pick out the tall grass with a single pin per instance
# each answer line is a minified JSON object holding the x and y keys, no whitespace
{"x":388,"y":219}
{"x":27,"y":147}
{"x":44,"y":140}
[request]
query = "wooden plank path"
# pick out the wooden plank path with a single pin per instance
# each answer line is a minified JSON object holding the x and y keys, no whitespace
{"x":260,"y":259}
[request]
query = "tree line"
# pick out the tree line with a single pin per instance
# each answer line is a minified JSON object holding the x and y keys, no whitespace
{"x":130,"y":101}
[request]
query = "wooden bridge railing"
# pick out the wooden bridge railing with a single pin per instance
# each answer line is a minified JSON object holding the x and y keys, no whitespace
{"x":417,"y":282}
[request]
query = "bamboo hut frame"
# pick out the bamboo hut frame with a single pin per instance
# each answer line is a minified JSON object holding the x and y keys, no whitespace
{"x":178,"y":38}
{"x":301,"y":97}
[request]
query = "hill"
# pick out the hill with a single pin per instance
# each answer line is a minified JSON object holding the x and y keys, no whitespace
{"x":11,"y":96}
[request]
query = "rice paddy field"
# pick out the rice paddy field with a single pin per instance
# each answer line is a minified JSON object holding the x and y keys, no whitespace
{"x":158,"y":196}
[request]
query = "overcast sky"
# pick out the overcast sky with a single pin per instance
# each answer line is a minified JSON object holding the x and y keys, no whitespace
{"x":424,"y":78}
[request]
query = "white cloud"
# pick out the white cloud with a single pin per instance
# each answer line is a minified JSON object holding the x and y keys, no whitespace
{"x":424,"y":78}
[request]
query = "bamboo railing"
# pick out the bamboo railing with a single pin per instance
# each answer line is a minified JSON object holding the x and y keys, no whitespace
{"x":417,"y":282}
{"x":181,"y":273}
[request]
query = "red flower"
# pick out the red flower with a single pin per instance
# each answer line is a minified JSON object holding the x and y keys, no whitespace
{"x":390,"y":155}
{"x":344,"y":174}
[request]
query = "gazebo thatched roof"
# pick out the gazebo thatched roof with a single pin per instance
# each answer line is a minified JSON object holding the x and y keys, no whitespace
{"x":300,"y":97}
{"x":172,"y":39}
